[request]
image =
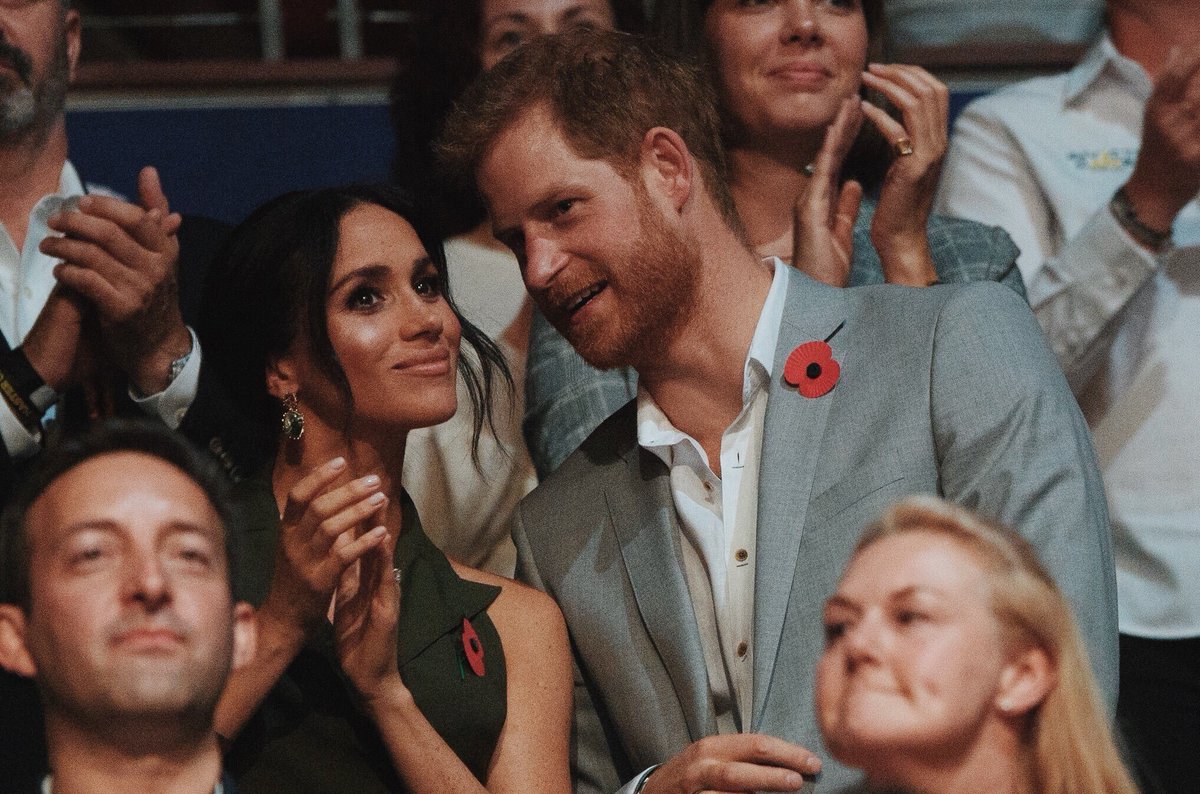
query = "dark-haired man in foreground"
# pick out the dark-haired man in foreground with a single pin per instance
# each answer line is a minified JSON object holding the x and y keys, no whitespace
{"x":117,"y":571}
{"x":693,"y":538}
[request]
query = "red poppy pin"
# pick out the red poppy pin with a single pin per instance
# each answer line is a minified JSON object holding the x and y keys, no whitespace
{"x":811,"y":367}
{"x":473,"y":648}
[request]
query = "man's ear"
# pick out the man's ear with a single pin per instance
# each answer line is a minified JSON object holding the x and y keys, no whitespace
{"x":245,"y":634}
{"x":14,"y":656}
{"x":1025,"y":682}
{"x":72,"y":29}
{"x":667,"y":165}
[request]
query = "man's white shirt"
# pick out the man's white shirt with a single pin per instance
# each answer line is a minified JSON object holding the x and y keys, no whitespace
{"x":26,"y":280}
{"x":1042,"y":159}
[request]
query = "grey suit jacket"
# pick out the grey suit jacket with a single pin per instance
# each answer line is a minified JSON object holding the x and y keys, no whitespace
{"x":946,"y":390}
{"x":565,"y":399}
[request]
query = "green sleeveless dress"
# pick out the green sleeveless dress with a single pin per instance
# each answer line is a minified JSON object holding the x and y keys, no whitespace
{"x":310,"y":735}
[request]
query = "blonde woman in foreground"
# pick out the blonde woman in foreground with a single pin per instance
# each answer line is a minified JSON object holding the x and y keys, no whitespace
{"x":952,"y":663}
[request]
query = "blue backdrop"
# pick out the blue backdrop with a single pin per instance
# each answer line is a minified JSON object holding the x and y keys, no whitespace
{"x":223,"y":162}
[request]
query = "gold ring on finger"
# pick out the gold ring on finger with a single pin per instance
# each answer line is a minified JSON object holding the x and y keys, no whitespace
{"x":903,"y":147}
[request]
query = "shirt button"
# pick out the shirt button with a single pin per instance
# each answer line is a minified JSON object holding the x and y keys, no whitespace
{"x":741,"y":555}
{"x":27,"y":292}
{"x":707,"y":486}
{"x":742,"y":649}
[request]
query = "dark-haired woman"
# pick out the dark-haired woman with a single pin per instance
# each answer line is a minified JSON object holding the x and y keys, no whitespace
{"x":382,"y":665}
{"x":467,"y":503}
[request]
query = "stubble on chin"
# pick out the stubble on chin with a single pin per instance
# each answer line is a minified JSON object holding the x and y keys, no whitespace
{"x":654,"y":291}
{"x":29,"y":112}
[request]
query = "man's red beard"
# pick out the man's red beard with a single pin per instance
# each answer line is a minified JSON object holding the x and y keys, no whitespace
{"x":652,"y":285}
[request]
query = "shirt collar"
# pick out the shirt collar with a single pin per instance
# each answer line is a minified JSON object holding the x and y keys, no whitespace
{"x":69,"y":183}
{"x":1101,"y":59}
{"x":655,"y":430}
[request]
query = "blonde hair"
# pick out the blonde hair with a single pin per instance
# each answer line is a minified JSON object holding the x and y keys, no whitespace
{"x":1068,"y":739}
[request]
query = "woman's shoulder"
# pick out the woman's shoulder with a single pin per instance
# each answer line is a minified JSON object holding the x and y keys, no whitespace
{"x":517,"y":601}
{"x":514,"y":595}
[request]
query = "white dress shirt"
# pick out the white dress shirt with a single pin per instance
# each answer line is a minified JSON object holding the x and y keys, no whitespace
{"x":26,"y":279}
{"x":718,"y":516}
{"x":718,"y":519}
{"x":1042,"y":159}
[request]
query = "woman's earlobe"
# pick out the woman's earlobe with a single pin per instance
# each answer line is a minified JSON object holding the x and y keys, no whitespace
{"x":1026,"y":682}
{"x":281,"y":378}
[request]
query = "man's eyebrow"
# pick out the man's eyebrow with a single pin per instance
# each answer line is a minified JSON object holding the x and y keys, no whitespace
{"x":178,"y":526}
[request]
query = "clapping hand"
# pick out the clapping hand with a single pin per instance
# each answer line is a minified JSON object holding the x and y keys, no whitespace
{"x":1167,"y":173}
{"x":122,"y":259}
{"x":898,"y":230}
{"x":824,"y":214}
{"x":319,"y":538}
{"x":366,"y":611}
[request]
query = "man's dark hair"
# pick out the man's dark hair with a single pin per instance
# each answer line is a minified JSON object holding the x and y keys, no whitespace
{"x":605,"y":90}
{"x":104,"y":438}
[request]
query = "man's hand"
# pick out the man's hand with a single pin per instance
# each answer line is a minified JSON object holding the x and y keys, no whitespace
{"x":53,"y":346}
{"x":122,"y":259}
{"x":1167,"y":173}
{"x":744,"y":762}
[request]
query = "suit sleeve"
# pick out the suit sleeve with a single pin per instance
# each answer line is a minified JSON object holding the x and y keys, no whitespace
{"x":1013,"y":445}
{"x":593,"y":753}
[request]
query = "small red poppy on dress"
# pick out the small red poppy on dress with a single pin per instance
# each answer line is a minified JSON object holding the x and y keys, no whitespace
{"x":812,"y":369}
{"x":472,"y":647}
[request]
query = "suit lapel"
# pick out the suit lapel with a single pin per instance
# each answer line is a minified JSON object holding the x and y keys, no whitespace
{"x":792,"y":438}
{"x":643,"y":514}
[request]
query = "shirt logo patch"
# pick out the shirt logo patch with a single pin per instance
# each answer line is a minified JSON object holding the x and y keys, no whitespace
{"x":1103,"y":159}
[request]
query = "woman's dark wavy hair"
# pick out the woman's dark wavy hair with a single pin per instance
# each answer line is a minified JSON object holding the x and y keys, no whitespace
{"x":438,"y":61}
{"x":679,"y":26}
{"x":268,"y":285}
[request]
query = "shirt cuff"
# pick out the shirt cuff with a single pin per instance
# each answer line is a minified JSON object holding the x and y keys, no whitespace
{"x":172,"y":403}
{"x":19,"y":442}
{"x":632,"y":785}
{"x":1078,"y":293}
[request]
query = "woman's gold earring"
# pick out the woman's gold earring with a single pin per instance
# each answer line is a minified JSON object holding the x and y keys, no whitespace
{"x":292,"y":421}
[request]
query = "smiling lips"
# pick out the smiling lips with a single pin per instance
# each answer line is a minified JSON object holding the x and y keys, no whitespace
{"x":571,"y":306}
{"x":801,"y":73}
{"x":429,"y":362}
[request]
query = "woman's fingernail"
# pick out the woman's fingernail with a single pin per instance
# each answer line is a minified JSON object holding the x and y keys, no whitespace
{"x":377,"y":499}
{"x":370,"y":481}
{"x":337,"y":463}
